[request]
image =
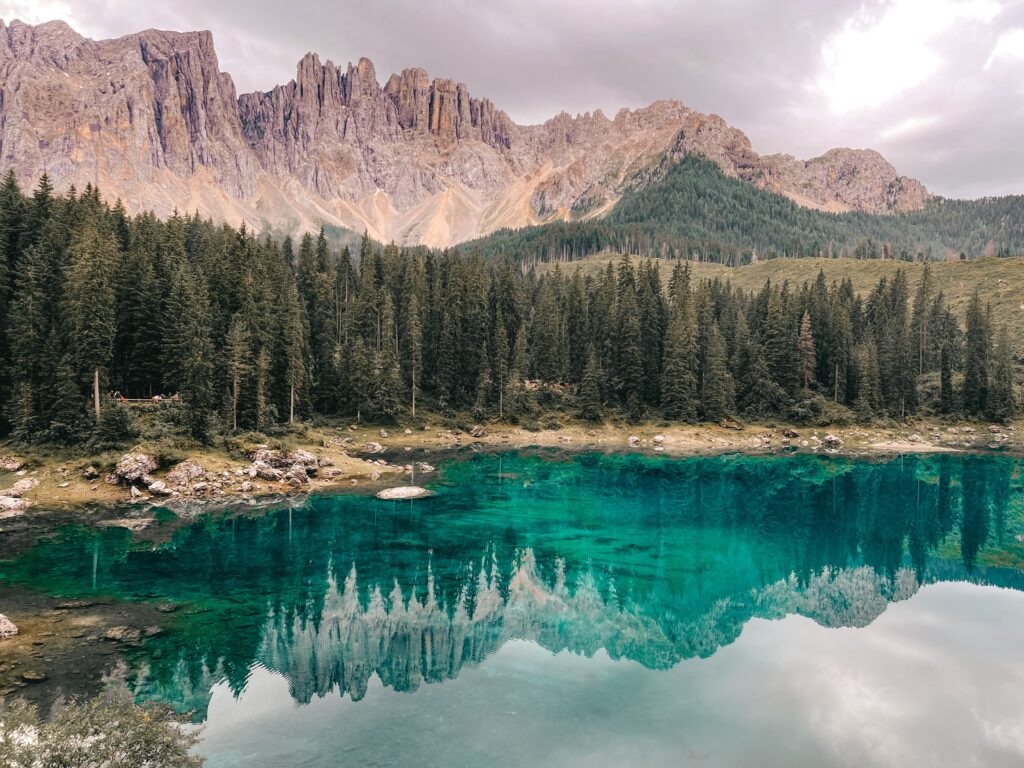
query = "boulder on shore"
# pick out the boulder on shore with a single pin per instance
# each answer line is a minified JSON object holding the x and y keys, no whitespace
{"x":303,"y":458}
{"x":22,"y":487}
{"x":264,"y":471}
{"x":11,"y":464}
{"x":132,"y":466}
{"x":160,"y":488}
{"x":8,"y":629}
{"x":11,"y":506}
{"x":184,"y":473}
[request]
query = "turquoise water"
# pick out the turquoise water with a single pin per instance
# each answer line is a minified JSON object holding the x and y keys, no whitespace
{"x":555,"y":610}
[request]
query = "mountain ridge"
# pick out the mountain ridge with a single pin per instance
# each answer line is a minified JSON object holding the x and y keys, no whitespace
{"x":150,"y":118}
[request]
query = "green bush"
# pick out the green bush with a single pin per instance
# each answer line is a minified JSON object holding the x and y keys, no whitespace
{"x":819,"y":411}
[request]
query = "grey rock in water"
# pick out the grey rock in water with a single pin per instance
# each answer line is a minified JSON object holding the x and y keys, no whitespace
{"x":8,"y":629}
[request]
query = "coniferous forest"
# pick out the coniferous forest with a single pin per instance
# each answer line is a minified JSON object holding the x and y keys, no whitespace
{"x":243,"y":332}
{"x":693,"y":210}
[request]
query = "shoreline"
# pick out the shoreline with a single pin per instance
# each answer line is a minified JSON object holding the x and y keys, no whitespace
{"x":369,"y":459}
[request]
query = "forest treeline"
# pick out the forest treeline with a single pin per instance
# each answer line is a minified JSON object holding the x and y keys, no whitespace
{"x":254,"y":332}
{"x":694,"y":211}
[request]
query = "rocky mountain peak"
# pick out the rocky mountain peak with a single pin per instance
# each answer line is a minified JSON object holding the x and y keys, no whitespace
{"x":150,"y":118}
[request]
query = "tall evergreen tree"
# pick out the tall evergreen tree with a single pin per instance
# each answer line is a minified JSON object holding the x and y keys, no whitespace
{"x":976,"y":366}
{"x":90,"y":303}
{"x":1002,"y":404}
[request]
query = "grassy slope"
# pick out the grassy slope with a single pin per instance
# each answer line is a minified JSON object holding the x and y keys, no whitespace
{"x":1000,"y":281}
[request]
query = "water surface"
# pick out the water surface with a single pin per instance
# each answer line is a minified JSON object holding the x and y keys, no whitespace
{"x":595,"y":610}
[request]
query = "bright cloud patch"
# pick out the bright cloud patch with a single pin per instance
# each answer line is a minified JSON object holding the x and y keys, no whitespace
{"x":1010,"y":45}
{"x":887,"y":50}
{"x":35,"y":11}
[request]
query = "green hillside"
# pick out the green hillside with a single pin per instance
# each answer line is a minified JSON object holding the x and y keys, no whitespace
{"x":1000,"y":281}
{"x":694,"y":210}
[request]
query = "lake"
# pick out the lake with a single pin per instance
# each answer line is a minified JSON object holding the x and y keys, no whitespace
{"x":554,"y":609}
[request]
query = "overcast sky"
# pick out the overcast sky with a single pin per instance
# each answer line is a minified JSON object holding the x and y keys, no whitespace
{"x":936,"y":85}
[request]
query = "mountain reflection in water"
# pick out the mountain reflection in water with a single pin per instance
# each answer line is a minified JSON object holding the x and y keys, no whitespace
{"x":649,"y":559}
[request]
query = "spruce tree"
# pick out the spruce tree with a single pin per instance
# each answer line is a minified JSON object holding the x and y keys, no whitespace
{"x":718,"y":389}
{"x":294,"y":347}
{"x":869,"y":387}
{"x":590,"y":390}
{"x":238,"y":352}
{"x":1002,"y":404}
{"x":413,"y":348}
{"x":808,"y":360}
{"x":90,"y":305}
{"x":188,"y":357}
{"x":946,"y":397}
{"x":679,"y":396}
{"x":976,"y":361}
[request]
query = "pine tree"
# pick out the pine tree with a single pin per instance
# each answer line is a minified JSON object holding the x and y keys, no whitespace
{"x":946,"y":396}
{"x":501,"y":361}
{"x":295,"y":347}
{"x":869,"y":387}
{"x":590,"y":390}
{"x":718,"y":390}
{"x":238,"y":351}
{"x":976,"y":364}
{"x":189,"y":351}
{"x":808,"y":360}
{"x":921,"y":322}
{"x":90,"y":308}
{"x":629,"y":377}
{"x":413,"y":348}
{"x":1001,"y":404}
{"x":679,"y":395}
{"x":780,"y":345}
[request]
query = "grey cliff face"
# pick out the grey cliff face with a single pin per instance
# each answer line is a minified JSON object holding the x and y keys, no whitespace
{"x":151,"y":119}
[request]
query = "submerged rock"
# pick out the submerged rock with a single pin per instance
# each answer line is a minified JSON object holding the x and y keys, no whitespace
{"x":404,"y":492}
{"x":122,"y":635}
{"x":67,"y":605}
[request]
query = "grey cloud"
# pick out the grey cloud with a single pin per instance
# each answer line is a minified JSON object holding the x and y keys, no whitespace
{"x":755,"y":62}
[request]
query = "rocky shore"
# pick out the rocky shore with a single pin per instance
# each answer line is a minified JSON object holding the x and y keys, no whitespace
{"x":354,"y":458}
